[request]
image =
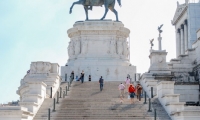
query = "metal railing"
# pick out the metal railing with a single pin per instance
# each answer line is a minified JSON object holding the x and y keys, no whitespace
{"x":59,"y":95}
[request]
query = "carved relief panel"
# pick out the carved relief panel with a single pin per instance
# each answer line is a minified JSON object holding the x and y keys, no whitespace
{"x":84,"y":46}
{"x":40,"y":67}
{"x":77,"y":45}
{"x":119,"y":47}
{"x":71,"y":49}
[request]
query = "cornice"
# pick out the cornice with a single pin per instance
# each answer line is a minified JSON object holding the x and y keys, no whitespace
{"x":179,"y":13}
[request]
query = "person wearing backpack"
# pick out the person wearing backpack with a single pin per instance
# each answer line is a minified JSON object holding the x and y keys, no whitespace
{"x":139,"y":91}
{"x":127,"y":83}
{"x":101,"y":83}
{"x":131,"y":91}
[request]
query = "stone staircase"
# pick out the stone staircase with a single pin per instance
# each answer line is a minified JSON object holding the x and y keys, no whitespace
{"x":86,"y":101}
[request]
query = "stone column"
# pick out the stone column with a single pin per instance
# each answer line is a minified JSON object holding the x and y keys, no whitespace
{"x":159,"y":43}
{"x":178,"y":42}
{"x":186,"y":35}
{"x":182,"y":40}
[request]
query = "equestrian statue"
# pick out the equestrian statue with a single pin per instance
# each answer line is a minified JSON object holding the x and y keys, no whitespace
{"x":88,"y":4}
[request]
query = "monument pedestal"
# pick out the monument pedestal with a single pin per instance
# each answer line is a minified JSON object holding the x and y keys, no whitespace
{"x":99,"y":48}
{"x":158,"y":63}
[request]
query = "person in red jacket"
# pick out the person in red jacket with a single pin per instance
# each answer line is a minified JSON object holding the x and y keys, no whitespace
{"x":131,"y":91}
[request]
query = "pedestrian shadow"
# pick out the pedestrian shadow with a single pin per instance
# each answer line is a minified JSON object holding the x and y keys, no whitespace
{"x":114,"y":107}
{"x":127,"y":107}
{"x":77,"y":84}
{"x":95,"y":93}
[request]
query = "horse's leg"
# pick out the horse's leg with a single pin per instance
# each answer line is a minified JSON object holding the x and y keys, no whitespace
{"x":86,"y":12}
{"x":78,"y":2}
{"x":106,"y":9}
{"x":114,"y":11}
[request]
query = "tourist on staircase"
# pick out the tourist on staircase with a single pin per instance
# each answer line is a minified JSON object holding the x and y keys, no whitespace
{"x":138,"y":91}
{"x":101,"y":83}
{"x":131,"y":91}
{"x":121,"y":88}
{"x":72,"y":75}
{"x":127,"y":82}
{"x":82,"y":76}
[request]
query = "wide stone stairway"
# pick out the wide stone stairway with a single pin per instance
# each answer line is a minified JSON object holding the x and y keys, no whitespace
{"x":86,"y":101}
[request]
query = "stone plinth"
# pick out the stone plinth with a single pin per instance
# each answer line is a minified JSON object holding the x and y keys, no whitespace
{"x":99,"y":48}
{"x":158,"y":62}
{"x":36,"y":85}
{"x":15,"y":113}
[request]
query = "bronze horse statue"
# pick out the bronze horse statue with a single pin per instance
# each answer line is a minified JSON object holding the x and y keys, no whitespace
{"x":88,"y":4}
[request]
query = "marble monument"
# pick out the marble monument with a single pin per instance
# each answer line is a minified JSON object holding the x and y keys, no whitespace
{"x":99,"y":48}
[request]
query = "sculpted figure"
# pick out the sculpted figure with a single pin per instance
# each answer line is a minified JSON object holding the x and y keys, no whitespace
{"x":113,"y":47}
{"x":33,"y":68}
{"x":87,"y":4}
{"x":47,"y":67}
{"x":107,"y":71}
{"x":151,"y":42}
{"x":84,"y":47}
{"x":70,"y":49}
{"x":116,"y":71}
{"x":125,"y":46}
{"x":119,"y":48}
{"x":128,"y":52}
{"x":159,"y":29}
{"x":77,"y":47}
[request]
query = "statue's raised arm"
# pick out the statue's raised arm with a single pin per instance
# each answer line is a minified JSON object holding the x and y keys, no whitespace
{"x":88,"y":4}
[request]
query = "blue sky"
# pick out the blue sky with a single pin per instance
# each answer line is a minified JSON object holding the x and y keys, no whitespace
{"x":36,"y":30}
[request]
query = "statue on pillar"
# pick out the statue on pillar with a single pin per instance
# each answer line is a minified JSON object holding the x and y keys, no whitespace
{"x":160,"y":38}
{"x":159,"y":29}
{"x":151,"y":42}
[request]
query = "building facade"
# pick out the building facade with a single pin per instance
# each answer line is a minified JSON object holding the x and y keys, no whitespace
{"x":186,"y":21}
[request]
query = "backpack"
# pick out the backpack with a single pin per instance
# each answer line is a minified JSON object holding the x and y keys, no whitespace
{"x":131,"y":89}
{"x":100,"y":80}
{"x":139,"y":87}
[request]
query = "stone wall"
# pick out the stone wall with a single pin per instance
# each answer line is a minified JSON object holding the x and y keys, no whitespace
{"x":187,"y":92}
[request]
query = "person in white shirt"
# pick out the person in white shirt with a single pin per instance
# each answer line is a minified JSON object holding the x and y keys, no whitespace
{"x":121,"y":88}
{"x":127,"y":82}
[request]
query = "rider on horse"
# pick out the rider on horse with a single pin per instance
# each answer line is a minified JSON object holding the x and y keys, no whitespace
{"x":87,"y":2}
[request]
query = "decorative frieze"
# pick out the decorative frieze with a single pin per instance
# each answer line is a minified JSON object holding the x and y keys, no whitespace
{"x":40,"y":67}
{"x":105,"y":38}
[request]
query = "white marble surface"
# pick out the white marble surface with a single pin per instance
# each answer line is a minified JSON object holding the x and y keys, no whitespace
{"x":158,"y":62}
{"x":187,"y":92}
{"x":99,"y":48}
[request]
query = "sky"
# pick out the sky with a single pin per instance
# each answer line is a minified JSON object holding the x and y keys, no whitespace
{"x":36,"y":30}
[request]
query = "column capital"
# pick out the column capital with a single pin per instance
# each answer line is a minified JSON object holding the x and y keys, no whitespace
{"x":185,"y":22}
{"x":182,"y":26}
{"x":178,"y":30}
